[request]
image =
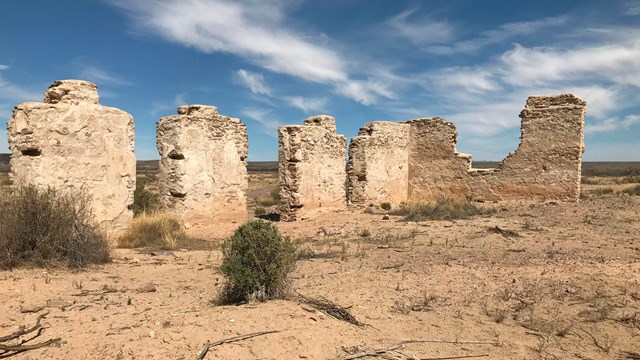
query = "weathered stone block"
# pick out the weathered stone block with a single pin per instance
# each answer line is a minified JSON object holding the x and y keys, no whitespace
{"x":312,"y":167}
{"x":203,"y":172}
{"x":72,"y":143}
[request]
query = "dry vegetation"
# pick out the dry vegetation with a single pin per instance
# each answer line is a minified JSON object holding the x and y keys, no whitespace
{"x":509,"y":281}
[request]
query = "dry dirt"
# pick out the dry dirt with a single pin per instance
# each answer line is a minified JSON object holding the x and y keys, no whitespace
{"x":561,"y":281}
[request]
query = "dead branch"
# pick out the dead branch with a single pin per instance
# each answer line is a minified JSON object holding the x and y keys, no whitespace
{"x":395,"y":347}
{"x":10,"y":350}
{"x":206,"y":348}
{"x":504,"y":232}
{"x":331,"y":309}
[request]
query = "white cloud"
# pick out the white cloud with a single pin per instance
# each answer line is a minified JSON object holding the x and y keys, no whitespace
{"x":246,"y":28}
{"x":253,"y":81}
{"x":100,"y":76}
{"x":307,"y":104}
{"x":421,"y":31}
{"x":254,"y":30}
{"x":618,"y":63}
{"x":158,"y":107}
{"x":632,"y":8}
{"x":612,"y":124}
{"x":265,"y":118}
{"x":3,"y":67}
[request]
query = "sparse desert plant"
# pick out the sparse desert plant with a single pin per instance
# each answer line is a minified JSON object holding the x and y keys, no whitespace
{"x":153,"y":230}
{"x":634,"y":190}
{"x":143,"y":199}
{"x":257,"y":261}
{"x":443,"y":208}
{"x":365,"y":233}
{"x":602,"y":191}
{"x":259,"y":211}
{"x":385,"y":206}
{"x":40,"y":226}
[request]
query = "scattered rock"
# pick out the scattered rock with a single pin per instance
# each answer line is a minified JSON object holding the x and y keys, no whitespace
{"x":146,"y":288}
{"x":31,"y":308}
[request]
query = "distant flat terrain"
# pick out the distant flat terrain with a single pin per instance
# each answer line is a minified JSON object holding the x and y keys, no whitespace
{"x":589,"y":168}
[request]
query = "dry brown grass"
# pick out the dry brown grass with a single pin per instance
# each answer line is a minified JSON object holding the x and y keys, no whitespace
{"x":153,"y":230}
{"x":443,"y":208}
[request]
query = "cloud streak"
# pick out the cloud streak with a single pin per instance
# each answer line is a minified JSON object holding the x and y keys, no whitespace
{"x":253,"y":81}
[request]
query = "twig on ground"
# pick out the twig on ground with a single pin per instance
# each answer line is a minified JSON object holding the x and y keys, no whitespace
{"x":395,"y":347}
{"x":504,"y":232}
{"x":206,"y":348}
{"x":10,"y":350}
{"x":331,"y":309}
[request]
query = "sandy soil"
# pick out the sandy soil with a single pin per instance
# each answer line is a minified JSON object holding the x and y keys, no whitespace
{"x":562,"y":281}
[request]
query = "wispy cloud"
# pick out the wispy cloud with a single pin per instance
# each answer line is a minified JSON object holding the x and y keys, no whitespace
{"x":161,"y":108}
{"x":100,"y":76}
{"x":499,"y":35}
{"x":264,"y":117}
{"x":632,"y":8}
{"x":421,"y":30}
{"x":612,"y":124}
{"x":253,"y":81}
{"x":257,"y":32}
{"x":307,"y":104}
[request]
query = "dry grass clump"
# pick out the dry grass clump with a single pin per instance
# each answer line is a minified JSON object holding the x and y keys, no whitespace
{"x":40,"y":227}
{"x":153,"y":230}
{"x":443,"y":208}
{"x":634,"y":190}
{"x":257,"y":262}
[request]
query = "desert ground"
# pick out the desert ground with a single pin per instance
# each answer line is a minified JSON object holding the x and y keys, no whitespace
{"x":526,"y":280}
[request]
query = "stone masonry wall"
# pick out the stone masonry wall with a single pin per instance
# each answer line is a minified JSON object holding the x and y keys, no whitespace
{"x":203,"y":173}
{"x":71,"y":142}
{"x":417,"y":161}
{"x":379,"y":164}
{"x":548,"y":161}
{"x":312,"y":167}
{"x":436,"y":169}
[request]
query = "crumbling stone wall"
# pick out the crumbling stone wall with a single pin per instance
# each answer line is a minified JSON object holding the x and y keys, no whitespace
{"x":203,"y":172}
{"x":71,"y":142}
{"x":436,"y":169}
{"x":548,"y":161}
{"x":379,"y":164}
{"x":417,"y":160}
{"x":312,"y":159}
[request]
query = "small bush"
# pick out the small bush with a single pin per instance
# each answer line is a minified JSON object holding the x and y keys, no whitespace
{"x":602,"y":191}
{"x":385,"y":206}
{"x":634,"y":190}
{"x":143,"y":199}
{"x":259,"y":211}
{"x":153,"y":230}
{"x":39,"y":227}
{"x":441,"y":209}
{"x":256,"y":261}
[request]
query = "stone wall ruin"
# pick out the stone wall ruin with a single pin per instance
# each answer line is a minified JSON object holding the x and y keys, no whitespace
{"x":312,"y":159}
{"x":417,"y":160}
{"x":203,"y":172}
{"x":71,"y":142}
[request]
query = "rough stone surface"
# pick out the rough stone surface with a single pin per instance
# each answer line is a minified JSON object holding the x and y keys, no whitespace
{"x":71,"y":142}
{"x":378,"y":168}
{"x":548,"y":161}
{"x":417,"y":160}
{"x":312,"y":167}
{"x":203,"y":172}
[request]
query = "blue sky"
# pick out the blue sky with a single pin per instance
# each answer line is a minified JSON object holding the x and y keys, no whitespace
{"x":277,"y":62}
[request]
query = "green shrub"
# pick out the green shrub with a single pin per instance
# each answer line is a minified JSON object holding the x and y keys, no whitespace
{"x":256,"y":261}
{"x":153,"y":230}
{"x":634,"y":190}
{"x":385,"y":206}
{"x":443,"y":208}
{"x":259,"y":211}
{"x":143,"y":199}
{"x":40,"y":227}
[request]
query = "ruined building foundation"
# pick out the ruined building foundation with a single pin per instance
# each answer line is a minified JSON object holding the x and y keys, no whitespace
{"x":312,"y":159}
{"x":203,"y":172}
{"x":71,"y":142}
{"x":416,"y":160}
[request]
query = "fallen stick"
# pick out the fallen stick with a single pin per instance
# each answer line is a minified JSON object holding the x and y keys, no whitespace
{"x":10,"y":350}
{"x":455,"y":357}
{"x":393,"y":347}
{"x":21,"y":332}
{"x":206,"y":348}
